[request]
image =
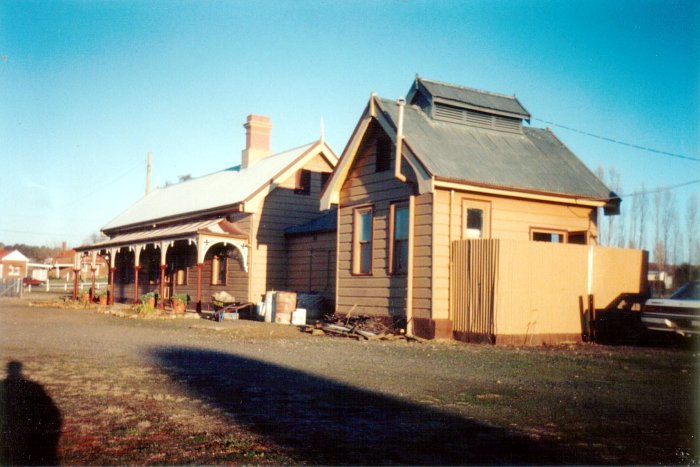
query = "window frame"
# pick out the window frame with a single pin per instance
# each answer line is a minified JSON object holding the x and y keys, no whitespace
{"x":544,"y":230}
{"x":356,"y":242}
{"x":180,"y":263}
{"x":578,"y":233}
{"x":393,"y":208}
{"x":482,"y":205}
{"x":216,"y":266}
{"x":302,"y":183}
{"x":384,"y":146}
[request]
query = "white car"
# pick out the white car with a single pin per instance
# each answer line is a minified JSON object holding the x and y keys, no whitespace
{"x":680,"y":313}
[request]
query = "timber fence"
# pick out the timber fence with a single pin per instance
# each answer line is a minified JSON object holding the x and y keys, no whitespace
{"x":520,"y":291}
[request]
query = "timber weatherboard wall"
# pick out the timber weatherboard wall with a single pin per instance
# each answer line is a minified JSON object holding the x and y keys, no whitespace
{"x":312,"y":264}
{"x":378,"y":293}
{"x":282,"y":208}
{"x":509,"y":218}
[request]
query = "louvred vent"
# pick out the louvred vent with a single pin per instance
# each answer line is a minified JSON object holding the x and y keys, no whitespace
{"x":478,"y":119}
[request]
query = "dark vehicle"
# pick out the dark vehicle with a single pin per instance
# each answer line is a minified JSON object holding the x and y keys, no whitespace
{"x":31,"y":281}
{"x":680,"y":313}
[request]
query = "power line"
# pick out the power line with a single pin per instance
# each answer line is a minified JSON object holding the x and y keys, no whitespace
{"x":99,"y":187}
{"x":662,"y":188}
{"x":43,"y":234}
{"x":623,"y":143}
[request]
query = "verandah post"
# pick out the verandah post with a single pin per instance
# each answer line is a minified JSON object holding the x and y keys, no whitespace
{"x":111,"y":285}
{"x":162,"y":286}
{"x":136,"y":284}
{"x":199,"y":287}
{"x":92,"y":289}
{"x":76,"y":273}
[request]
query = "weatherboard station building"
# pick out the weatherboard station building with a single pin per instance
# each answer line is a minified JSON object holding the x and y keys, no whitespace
{"x":219,"y":232}
{"x":444,"y":212}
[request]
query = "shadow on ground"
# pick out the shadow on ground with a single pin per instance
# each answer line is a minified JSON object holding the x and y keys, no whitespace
{"x":321,"y":421}
{"x":615,"y":327}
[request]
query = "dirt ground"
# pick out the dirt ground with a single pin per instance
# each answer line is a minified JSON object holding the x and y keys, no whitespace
{"x":132,"y":391}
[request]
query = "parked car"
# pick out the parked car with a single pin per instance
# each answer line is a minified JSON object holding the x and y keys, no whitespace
{"x":680,"y":313}
{"x":31,"y":281}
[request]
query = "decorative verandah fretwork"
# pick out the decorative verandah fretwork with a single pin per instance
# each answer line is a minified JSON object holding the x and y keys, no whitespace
{"x":202,"y":234}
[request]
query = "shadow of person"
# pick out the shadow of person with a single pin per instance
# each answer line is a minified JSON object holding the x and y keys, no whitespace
{"x":30,"y":423}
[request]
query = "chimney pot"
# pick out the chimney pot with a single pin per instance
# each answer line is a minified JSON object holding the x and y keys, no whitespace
{"x":257,"y":139}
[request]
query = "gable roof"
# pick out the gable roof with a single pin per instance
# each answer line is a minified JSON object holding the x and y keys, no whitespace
{"x":13,"y":255}
{"x":534,"y":161}
{"x":221,"y":189}
{"x":531,"y":163}
{"x":468,"y":97}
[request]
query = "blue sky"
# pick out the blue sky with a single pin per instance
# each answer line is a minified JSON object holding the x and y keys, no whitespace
{"x":89,"y":87}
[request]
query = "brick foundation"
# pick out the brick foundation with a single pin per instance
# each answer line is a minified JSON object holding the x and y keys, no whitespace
{"x":432,"y":328}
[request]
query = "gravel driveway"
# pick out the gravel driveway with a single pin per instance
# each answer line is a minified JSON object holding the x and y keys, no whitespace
{"x":133,"y":391}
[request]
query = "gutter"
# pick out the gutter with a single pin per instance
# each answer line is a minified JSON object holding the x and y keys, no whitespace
{"x":219,"y":210}
{"x":447,"y":183}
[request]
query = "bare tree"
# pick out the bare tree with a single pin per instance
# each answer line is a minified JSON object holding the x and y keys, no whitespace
{"x":611,"y":228}
{"x":659,"y":254}
{"x":93,"y":238}
{"x":665,"y":227}
{"x":633,"y":224}
{"x":691,"y":230}
{"x":641,"y":214}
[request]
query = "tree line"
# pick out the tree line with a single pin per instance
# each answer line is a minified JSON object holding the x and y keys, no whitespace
{"x":652,"y":220}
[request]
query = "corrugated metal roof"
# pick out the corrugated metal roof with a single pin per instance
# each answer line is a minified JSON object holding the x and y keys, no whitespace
{"x":223,"y":188}
{"x":475,"y":97}
{"x":173,"y":232}
{"x":534,"y":160}
{"x":328,"y":222}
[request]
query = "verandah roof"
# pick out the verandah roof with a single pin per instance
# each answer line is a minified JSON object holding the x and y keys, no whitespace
{"x":184,"y":231}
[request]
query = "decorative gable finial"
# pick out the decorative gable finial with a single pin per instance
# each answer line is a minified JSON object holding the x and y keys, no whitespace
{"x":323,"y":132}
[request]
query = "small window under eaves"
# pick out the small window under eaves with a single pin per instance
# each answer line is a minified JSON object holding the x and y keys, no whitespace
{"x":383,"y":150}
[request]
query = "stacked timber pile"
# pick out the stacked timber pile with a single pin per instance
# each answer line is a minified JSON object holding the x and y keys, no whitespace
{"x":358,"y":327}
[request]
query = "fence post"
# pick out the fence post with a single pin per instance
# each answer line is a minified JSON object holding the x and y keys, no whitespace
{"x":591,"y":316}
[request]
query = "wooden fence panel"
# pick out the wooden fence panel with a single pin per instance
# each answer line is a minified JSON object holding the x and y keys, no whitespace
{"x":525,"y":292}
{"x":473,"y":283}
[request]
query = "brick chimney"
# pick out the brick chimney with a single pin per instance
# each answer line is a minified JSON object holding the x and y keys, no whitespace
{"x":257,"y":140}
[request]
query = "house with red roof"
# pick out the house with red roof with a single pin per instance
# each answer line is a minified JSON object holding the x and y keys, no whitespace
{"x":13,"y":264}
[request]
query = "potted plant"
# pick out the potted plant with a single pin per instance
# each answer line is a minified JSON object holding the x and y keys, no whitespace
{"x":149,"y":300}
{"x":84,"y":297}
{"x":102,"y":295}
{"x":179,"y":302}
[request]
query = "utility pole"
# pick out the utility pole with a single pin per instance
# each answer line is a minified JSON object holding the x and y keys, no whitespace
{"x":149,"y":158}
